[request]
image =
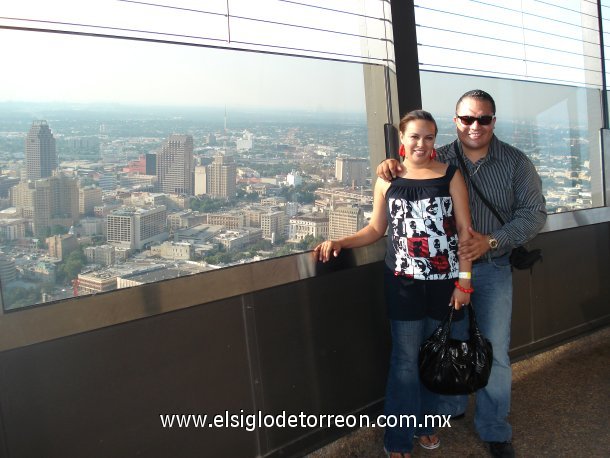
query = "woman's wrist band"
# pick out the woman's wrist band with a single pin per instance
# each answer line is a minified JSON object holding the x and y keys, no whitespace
{"x":465,"y":275}
{"x":462,"y":289}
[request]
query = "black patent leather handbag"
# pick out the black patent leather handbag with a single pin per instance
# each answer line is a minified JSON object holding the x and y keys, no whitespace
{"x":450,"y":366}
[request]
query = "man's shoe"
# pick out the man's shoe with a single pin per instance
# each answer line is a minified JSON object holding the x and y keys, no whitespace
{"x":501,"y":449}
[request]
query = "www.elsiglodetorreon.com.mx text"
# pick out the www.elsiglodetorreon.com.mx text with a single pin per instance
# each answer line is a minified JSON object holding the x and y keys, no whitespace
{"x":252,"y":421}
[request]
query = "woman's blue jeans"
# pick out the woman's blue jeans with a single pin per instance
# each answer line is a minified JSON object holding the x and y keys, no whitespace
{"x":405,"y":395}
{"x":492,"y":301}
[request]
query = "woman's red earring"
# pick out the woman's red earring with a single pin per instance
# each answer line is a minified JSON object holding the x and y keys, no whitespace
{"x":401,"y":151}
{"x":433,"y":155}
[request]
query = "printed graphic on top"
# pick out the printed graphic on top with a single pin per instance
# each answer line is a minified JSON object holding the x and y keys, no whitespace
{"x":424,"y":236}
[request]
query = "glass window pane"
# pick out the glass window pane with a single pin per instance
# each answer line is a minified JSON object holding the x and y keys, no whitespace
{"x":556,"y":126}
{"x":132,"y":162}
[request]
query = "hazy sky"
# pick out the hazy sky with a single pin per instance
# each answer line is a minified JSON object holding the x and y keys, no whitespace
{"x":52,"y":67}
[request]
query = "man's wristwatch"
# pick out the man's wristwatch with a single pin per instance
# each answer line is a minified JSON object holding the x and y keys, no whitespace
{"x":493,"y":243}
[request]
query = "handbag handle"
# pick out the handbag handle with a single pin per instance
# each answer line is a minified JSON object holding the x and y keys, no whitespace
{"x":474,"y":326}
{"x":444,"y":330}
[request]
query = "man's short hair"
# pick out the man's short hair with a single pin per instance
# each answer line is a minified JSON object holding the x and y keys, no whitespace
{"x":479,"y":95}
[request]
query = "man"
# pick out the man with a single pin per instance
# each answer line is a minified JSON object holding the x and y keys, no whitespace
{"x":508,"y":179}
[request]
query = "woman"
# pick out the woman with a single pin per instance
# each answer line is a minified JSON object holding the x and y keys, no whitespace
{"x":419,"y":281}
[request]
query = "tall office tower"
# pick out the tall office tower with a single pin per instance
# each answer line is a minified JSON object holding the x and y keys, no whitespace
{"x":344,"y":221}
{"x":201,"y":180}
{"x":351,"y":170}
{"x":40,"y":154}
{"x":88,"y":198}
{"x":47,"y":202}
{"x":222,"y":177}
{"x":175,"y":165}
{"x":151,"y":163}
{"x":64,"y":193}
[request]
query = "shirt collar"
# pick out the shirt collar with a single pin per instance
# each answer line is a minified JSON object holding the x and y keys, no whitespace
{"x":492,"y":152}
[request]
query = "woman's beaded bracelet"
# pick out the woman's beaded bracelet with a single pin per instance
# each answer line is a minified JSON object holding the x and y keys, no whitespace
{"x":462,"y":289}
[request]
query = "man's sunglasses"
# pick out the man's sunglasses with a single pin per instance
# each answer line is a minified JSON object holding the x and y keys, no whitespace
{"x":469,"y":120}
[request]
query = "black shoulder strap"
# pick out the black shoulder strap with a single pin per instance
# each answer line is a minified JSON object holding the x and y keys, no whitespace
{"x":474,"y":186}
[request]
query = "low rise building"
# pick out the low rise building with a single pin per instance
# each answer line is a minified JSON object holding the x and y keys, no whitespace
{"x":96,"y":282}
{"x":173,"y":250}
{"x":315,"y":225}
{"x":239,"y":238}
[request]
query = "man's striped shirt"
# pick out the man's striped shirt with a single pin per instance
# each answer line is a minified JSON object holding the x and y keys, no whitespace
{"x":508,"y":179}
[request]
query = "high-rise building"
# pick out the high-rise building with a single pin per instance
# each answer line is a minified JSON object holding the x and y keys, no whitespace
{"x":201,"y":180}
{"x":88,"y":198}
{"x":40,"y":153}
{"x":133,"y":228}
{"x":175,"y":165}
{"x":344,"y":221}
{"x":47,"y":202}
{"x":64,"y":200}
{"x":273,"y":225}
{"x":351,"y":170}
{"x":222,"y":177}
{"x":151,"y":163}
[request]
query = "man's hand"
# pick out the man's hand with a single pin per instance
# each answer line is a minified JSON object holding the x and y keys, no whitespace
{"x":389,"y":169}
{"x":472,"y":249}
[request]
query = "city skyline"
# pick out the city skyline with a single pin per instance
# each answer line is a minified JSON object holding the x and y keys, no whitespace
{"x":290,"y":185}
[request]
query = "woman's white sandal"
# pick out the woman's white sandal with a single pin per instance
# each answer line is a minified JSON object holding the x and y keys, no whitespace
{"x":430,"y":445}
